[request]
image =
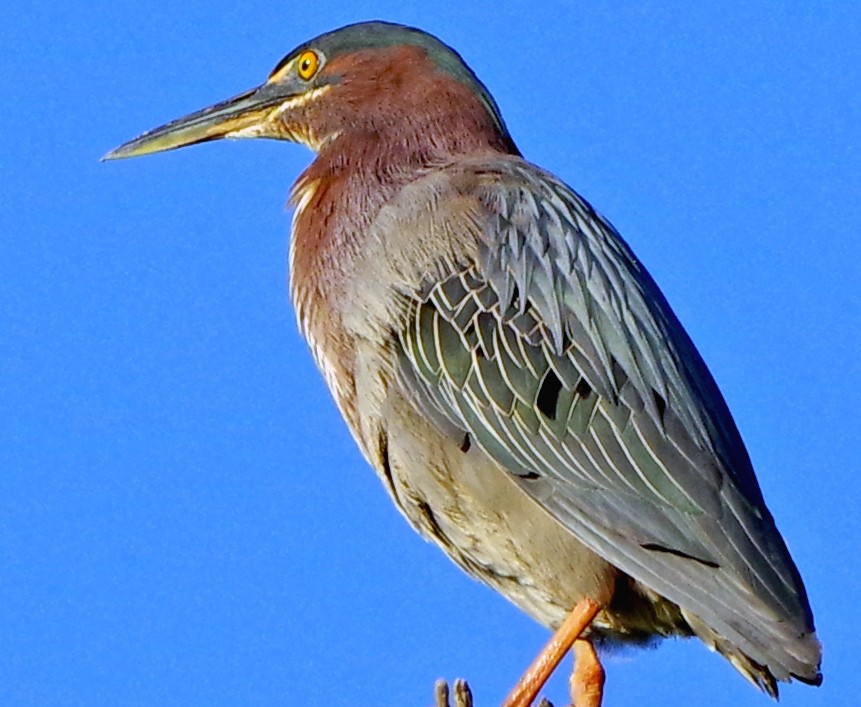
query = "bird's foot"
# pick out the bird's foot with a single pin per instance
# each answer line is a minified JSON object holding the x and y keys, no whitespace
{"x":463,"y":695}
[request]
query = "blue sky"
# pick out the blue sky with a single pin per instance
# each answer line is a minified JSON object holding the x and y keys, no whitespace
{"x":184,"y":519}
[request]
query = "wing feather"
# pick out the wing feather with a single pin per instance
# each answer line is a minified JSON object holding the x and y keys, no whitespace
{"x":556,"y":351}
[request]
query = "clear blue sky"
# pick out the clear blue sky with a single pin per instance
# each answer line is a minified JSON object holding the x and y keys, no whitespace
{"x":184,"y":519}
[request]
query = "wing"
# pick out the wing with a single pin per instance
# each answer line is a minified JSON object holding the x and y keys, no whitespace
{"x":555,"y":350}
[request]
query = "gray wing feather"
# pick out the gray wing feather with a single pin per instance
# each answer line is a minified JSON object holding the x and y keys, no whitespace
{"x":557,"y":352}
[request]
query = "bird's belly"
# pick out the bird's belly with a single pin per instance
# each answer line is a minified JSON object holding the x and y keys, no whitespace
{"x":460,"y":499}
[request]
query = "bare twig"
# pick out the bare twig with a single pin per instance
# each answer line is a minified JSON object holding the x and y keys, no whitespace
{"x":462,"y":694}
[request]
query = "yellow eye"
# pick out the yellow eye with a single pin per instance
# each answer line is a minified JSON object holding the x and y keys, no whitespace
{"x":308,"y":64}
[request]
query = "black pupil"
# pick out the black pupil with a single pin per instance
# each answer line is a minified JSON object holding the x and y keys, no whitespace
{"x":306,"y":64}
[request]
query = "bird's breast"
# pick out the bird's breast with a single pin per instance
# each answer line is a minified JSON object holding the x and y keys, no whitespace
{"x":315,"y":286}
{"x":331,"y":289}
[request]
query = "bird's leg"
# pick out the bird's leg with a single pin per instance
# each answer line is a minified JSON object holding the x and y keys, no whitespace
{"x":542,"y":667}
{"x":587,"y":680}
{"x":462,"y":695}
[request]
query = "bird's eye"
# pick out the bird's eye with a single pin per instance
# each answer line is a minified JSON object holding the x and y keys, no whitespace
{"x":308,"y":64}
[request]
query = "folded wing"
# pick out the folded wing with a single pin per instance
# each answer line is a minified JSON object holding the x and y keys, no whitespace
{"x":555,"y":350}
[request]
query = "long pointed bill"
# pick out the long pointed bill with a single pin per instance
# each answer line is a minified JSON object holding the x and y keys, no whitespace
{"x":246,"y":115}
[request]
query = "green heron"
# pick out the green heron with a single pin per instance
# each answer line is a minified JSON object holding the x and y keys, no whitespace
{"x":509,"y":368}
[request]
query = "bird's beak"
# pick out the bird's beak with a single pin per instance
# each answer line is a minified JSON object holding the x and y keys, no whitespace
{"x":251,"y":114}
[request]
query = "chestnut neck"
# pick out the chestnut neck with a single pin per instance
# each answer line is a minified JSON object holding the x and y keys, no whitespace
{"x":386,"y":145}
{"x":394,"y":114}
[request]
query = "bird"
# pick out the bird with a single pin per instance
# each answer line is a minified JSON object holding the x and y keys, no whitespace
{"x":509,"y":368}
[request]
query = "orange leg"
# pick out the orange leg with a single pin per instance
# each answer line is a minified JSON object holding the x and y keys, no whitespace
{"x":551,"y":655}
{"x":587,"y":682}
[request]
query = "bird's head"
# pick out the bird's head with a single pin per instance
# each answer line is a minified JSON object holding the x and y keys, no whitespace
{"x":372,"y":80}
